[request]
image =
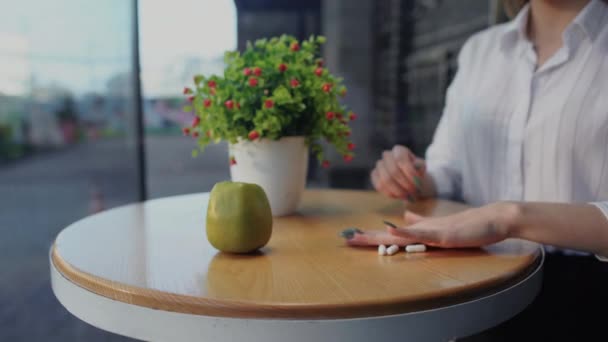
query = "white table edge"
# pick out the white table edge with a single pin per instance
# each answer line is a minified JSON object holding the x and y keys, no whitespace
{"x":439,"y":324}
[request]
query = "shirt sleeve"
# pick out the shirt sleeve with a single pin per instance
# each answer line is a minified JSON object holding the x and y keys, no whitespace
{"x":443,"y":158}
{"x":603,"y":207}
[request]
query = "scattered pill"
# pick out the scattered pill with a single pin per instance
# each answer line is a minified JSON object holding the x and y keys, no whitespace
{"x":415,"y":248}
{"x":382,"y":250}
{"x":392,"y":250}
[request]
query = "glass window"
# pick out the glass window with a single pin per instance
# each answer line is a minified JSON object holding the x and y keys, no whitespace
{"x":67,"y":113}
{"x":178,"y":40}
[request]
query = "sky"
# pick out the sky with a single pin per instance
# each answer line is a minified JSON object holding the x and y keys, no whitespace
{"x":79,"y":45}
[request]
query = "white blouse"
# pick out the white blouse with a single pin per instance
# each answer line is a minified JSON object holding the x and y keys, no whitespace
{"x":511,"y":132}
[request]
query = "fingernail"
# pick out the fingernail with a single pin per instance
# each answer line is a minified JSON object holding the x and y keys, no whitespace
{"x":349,"y":233}
{"x":390,"y":224}
{"x":411,"y":198}
{"x":419,"y":166}
{"x":417,"y":182}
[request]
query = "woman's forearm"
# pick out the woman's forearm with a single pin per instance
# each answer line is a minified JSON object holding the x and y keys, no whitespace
{"x":576,"y":226}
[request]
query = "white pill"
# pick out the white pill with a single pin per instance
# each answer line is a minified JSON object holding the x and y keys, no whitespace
{"x":415,"y":248}
{"x":382,"y":250}
{"x":392,"y":250}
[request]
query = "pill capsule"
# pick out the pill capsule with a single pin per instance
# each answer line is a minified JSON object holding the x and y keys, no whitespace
{"x":392,"y":250}
{"x":415,"y":248}
{"x":382,"y":250}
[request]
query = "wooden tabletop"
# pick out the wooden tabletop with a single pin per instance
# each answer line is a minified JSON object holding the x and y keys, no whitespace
{"x":156,"y":255}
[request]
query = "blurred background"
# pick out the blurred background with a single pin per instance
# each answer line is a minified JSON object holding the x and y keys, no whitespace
{"x":81,"y":133}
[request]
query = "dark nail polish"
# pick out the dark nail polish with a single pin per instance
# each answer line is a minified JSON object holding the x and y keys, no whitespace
{"x":392,"y":225}
{"x":417,"y":182}
{"x":349,"y":233}
{"x":411,"y":198}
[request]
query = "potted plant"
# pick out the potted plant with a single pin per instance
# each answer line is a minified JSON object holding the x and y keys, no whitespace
{"x":274,"y":103}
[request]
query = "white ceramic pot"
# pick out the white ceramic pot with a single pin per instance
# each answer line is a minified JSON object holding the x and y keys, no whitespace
{"x":278,"y":166}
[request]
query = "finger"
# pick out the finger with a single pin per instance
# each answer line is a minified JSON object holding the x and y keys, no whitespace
{"x":403,"y":153}
{"x":388,"y":184}
{"x":411,"y":218}
{"x":420,"y":166}
{"x":413,"y":168}
{"x":377,"y":182}
{"x":376,"y":238}
{"x":395,"y":172}
{"x":431,"y":237}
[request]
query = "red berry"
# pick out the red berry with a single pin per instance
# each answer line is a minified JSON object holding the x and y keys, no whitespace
{"x":187,"y":91}
{"x":196,"y":121}
{"x":352,"y":116}
{"x":348,"y":158}
{"x":246,"y":71}
{"x":229,"y":104}
{"x":253,"y":82}
{"x":320,"y":63}
{"x":295,"y":46}
{"x":211,"y":84}
{"x":269,"y":103}
{"x":191,"y":98}
{"x":351,"y":146}
{"x":253,"y":135}
{"x":325,"y":164}
{"x":326,"y":87}
{"x":232,"y":161}
{"x":282,"y":67}
{"x":294,"y":83}
{"x":257,"y":71}
{"x":330,"y":115}
{"x":207,"y":103}
{"x":186,"y":130}
{"x":319,"y":71}
{"x":195,"y":134}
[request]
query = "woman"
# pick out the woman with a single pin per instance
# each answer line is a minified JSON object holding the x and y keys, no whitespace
{"x":524,"y":139}
{"x":525,"y":126}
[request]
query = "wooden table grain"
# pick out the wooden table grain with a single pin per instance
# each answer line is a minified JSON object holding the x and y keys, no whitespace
{"x":156,"y":255}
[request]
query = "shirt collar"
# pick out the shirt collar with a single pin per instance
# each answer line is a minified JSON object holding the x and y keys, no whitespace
{"x":590,"y":19}
{"x":515,"y":30}
{"x":589,"y":22}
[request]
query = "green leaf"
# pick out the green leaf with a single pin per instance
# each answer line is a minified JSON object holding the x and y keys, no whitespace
{"x":281,"y":95}
{"x":187,"y":109}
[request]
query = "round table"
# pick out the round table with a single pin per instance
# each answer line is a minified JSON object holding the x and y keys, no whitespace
{"x":147,"y":271}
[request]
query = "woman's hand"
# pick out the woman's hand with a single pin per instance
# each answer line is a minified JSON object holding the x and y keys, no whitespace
{"x":577,"y":226}
{"x":400,"y":174}
{"x":470,"y":228}
{"x":383,"y":237}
